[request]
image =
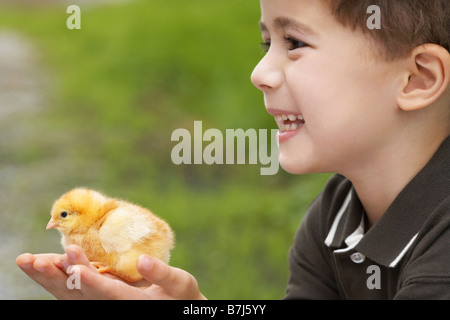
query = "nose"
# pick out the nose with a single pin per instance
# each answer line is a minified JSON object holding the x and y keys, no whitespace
{"x":267,"y":75}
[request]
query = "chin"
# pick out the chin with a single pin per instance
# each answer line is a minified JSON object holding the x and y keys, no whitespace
{"x":301,"y":164}
{"x":294,"y":167}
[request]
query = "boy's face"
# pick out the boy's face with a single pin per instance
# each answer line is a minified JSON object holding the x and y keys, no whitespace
{"x":325,"y":73}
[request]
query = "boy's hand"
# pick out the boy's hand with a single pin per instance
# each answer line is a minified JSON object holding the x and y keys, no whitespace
{"x":161,"y":280}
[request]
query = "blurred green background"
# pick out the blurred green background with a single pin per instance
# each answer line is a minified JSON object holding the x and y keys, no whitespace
{"x":96,"y":107}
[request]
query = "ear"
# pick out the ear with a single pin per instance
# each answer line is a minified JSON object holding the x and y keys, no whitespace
{"x":427,"y":77}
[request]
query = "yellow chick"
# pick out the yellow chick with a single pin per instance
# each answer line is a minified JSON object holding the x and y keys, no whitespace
{"x":113,"y":233}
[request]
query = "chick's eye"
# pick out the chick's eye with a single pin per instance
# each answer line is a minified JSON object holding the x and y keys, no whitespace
{"x":294,"y":43}
{"x":64,"y":214}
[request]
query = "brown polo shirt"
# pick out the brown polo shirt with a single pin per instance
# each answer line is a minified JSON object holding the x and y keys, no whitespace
{"x":405,"y":255}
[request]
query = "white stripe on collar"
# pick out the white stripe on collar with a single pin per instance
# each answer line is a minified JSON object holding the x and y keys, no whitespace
{"x":339,"y":215}
{"x":405,"y":249}
{"x":352,"y":240}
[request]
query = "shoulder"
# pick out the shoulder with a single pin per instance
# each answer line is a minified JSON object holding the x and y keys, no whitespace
{"x":426,"y":271}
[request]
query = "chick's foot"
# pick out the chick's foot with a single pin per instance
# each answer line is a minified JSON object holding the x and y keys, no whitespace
{"x":101,"y":267}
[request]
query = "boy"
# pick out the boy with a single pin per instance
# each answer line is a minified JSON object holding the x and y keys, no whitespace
{"x":371,"y":105}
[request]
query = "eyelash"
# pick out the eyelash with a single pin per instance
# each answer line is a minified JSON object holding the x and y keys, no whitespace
{"x":265,"y":46}
{"x":294,"y":44}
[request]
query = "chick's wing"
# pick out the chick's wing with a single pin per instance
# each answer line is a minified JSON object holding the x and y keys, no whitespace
{"x":124,"y":227}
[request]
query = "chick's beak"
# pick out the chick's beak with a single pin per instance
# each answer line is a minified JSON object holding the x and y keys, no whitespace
{"x":52,"y":224}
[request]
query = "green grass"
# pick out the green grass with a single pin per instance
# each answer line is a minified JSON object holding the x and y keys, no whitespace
{"x":125,"y":81}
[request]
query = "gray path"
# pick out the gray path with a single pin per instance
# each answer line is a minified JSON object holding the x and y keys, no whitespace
{"x":35,"y":163}
{"x":21,"y":101}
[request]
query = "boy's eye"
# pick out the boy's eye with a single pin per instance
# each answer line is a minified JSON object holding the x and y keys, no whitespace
{"x":294,"y":43}
{"x":265,"y":46}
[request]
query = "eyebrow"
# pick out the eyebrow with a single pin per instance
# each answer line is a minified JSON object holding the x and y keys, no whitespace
{"x":289,"y":23}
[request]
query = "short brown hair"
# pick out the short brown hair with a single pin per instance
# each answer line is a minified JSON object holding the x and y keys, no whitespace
{"x":405,"y":24}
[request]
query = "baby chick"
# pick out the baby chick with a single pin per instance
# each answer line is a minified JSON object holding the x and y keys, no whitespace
{"x":113,"y":233}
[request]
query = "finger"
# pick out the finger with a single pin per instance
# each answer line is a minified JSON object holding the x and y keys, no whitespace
{"x":49,"y":271}
{"x":31,"y":263}
{"x":42,"y":269}
{"x":99,"y":286}
{"x":76,"y":256}
{"x":176,"y":282}
{"x":62,"y":262}
{"x":25,"y":261}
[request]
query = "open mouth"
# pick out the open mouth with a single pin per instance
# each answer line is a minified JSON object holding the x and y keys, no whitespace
{"x":289,"y":122}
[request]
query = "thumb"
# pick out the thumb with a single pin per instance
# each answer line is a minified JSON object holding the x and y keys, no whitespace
{"x":177,"y":283}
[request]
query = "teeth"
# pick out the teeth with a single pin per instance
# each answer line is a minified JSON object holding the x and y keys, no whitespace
{"x":290,"y":127}
{"x":280,"y":119}
{"x":290,"y":117}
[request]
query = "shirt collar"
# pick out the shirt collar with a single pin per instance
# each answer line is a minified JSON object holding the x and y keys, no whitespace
{"x":391,"y":237}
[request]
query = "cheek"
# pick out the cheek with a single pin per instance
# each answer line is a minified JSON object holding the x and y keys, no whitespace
{"x":339,"y":100}
{"x":320,"y":99}
{"x":346,"y":111}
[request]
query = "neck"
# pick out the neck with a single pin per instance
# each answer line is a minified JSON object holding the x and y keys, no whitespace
{"x":379,"y":181}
